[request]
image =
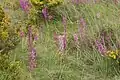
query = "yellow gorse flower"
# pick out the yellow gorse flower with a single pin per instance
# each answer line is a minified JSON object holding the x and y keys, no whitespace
{"x":113,"y":54}
{"x":4,"y":35}
{"x":49,"y":3}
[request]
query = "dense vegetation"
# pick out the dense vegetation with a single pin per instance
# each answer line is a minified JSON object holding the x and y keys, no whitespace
{"x":59,"y":40}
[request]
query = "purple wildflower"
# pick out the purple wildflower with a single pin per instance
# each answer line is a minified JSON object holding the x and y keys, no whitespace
{"x":21,"y":33}
{"x":103,"y":40}
{"x":36,"y":37}
{"x":45,"y":12}
{"x":61,"y":39}
{"x":75,"y":38}
{"x":62,"y":42}
{"x":101,"y":48}
{"x":82,"y":22}
{"x":32,"y":59}
{"x":25,"y":5}
{"x":32,"y":51}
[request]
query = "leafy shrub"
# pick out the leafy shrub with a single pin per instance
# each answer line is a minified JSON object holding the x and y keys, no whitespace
{"x":39,"y":4}
{"x":2,"y":14}
{"x":11,"y":70}
{"x":8,"y":35}
{"x":37,"y":10}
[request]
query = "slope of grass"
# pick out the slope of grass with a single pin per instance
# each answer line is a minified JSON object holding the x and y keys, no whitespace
{"x":79,"y":64}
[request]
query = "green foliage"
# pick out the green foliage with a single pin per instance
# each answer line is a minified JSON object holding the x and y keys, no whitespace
{"x":39,"y":4}
{"x":8,"y":35}
{"x":2,"y":14}
{"x":35,"y":14}
{"x":10,"y":70}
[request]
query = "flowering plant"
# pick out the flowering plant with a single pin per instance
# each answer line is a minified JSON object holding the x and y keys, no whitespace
{"x":113,"y":54}
{"x":8,"y":35}
{"x":50,"y":3}
{"x":25,"y":5}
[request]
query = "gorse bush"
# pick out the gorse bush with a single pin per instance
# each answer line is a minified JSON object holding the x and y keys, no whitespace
{"x":2,"y":15}
{"x":8,"y":35}
{"x":8,"y":40}
{"x":44,"y":7}
{"x":39,"y":4}
{"x":10,"y":69}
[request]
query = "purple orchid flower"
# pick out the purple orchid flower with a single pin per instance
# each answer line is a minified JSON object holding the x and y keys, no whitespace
{"x":75,"y":38}
{"x":32,"y":50}
{"x":62,"y":42}
{"x":32,"y":60}
{"x":101,"y":48}
{"x":25,"y":5}
{"x":82,"y":22}
{"x":36,"y":37}
{"x":45,"y":12}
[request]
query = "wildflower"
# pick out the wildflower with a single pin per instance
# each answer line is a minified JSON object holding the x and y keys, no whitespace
{"x":113,"y":54}
{"x":21,"y":33}
{"x":101,"y":48}
{"x":32,"y":51}
{"x":61,"y":39}
{"x":62,"y":42}
{"x":103,"y":41}
{"x":82,"y":22}
{"x":45,"y":12}
{"x":75,"y":38}
{"x":25,"y":5}
{"x":32,"y":59}
{"x":36,"y":37}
